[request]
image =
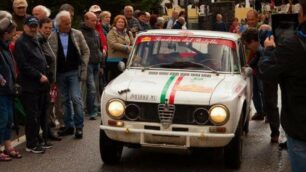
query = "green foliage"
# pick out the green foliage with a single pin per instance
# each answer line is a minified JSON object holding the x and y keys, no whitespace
{"x":114,"y":6}
{"x":81,"y":6}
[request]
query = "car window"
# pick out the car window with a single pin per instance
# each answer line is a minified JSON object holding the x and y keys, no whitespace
{"x":185,"y":52}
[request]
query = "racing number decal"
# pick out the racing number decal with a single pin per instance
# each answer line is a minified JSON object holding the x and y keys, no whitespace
{"x":173,"y":91}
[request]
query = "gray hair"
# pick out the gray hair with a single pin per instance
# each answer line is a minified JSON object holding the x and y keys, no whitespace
{"x":45,"y":9}
{"x":160,"y":19}
{"x":5,"y":14}
{"x":128,"y":7}
{"x":61,"y":14}
{"x":105,"y":13}
{"x":148,"y":14}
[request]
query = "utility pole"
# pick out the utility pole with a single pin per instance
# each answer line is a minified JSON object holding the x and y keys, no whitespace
{"x":186,"y":11}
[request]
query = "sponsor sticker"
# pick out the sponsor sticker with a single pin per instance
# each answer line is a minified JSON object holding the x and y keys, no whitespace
{"x":238,"y":88}
{"x":146,"y":39}
{"x":218,"y":41}
{"x":194,"y":88}
{"x":143,"y":97}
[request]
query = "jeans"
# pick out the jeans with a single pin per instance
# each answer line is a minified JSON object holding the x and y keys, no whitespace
{"x":297,"y":154}
{"x":6,"y":118}
{"x":70,"y":89}
{"x":270,"y":106}
{"x":92,"y":76}
{"x":257,"y":94}
{"x":35,"y":106}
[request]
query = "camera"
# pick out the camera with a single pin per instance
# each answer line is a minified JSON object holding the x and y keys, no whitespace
{"x":284,"y":26}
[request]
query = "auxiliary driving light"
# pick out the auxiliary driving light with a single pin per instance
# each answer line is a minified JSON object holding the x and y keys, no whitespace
{"x":132,"y":112}
{"x":200,"y":116}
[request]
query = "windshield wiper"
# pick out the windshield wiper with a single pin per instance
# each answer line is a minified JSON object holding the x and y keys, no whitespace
{"x":205,"y":66}
{"x":196,"y":64}
{"x":180,"y":64}
{"x":155,"y":65}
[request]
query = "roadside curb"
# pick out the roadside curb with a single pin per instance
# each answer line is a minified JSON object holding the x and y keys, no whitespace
{"x":16,"y":142}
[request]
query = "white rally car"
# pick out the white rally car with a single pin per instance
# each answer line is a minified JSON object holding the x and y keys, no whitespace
{"x":179,"y":90}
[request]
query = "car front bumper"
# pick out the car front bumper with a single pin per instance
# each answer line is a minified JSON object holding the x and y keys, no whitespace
{"x":196,"y":136}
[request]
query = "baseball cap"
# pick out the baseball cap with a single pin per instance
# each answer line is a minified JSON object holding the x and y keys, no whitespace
{"x":20,"y":3}
{"x":31,"y":20}
{"x":95,"y":8}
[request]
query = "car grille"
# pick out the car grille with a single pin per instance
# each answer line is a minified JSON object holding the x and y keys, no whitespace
{"x":167,"y":114}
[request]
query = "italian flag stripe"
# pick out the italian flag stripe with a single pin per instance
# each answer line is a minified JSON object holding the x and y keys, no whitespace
{"x":173,"y":91}
{"x":165,"y":89}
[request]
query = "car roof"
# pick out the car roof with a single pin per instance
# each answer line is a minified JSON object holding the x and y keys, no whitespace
{"x":204,"y":33}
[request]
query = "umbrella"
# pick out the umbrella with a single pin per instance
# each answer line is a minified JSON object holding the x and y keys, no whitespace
{"x":18,"y":112}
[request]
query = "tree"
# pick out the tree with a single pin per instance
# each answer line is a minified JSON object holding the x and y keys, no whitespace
{"x":116,"y":6}
{"x":81,"y":6}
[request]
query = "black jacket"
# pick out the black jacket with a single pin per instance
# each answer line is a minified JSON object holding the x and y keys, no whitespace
{"x":7,"y":70}
{"x":177,"y":25}
{"x":287,"y":65}
{"x":144,"y":26}
{"x":71,"y":61}
{"x":32,"y":64}
{"x":94,"y":44}
{"x":220,"y":27}
{"x":106,"y":29}
{"x":50,"y":57}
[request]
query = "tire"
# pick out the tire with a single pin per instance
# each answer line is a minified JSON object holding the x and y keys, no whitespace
{"x":110,"y":150}
{"x":233,"y":151}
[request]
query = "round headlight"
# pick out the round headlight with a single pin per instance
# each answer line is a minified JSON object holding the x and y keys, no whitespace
{"x":218,"y":114}
{"x":115,"y":108}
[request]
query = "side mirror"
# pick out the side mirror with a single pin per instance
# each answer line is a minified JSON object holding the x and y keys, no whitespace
{"x":121,"y":66}
{"x":246,"y":72}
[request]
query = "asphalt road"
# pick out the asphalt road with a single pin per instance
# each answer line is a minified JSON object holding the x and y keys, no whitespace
{"x":71,"y":155}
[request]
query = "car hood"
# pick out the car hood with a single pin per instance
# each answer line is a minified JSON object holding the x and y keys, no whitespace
{"x":167,"y":87}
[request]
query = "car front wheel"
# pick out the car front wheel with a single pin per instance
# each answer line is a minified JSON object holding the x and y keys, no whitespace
{"x":233,"y":151}
{"x":110,"y":150}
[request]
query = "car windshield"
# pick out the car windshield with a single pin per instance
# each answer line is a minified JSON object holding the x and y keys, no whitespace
{"x":178,"y":52}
